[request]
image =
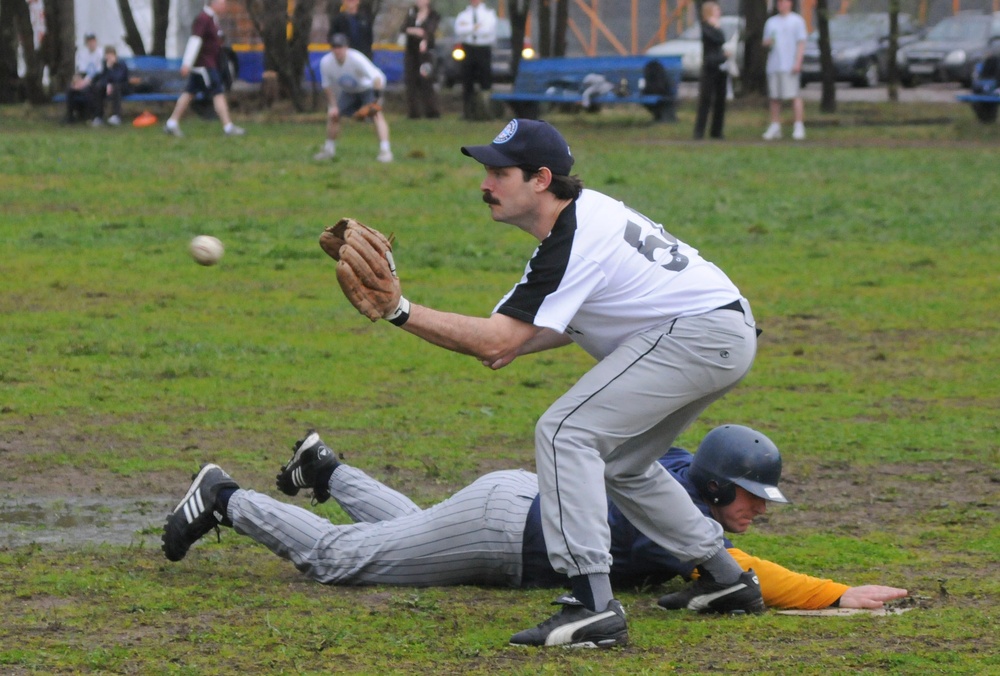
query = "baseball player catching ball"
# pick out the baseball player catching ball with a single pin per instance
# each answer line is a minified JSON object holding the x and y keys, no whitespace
{"x":670,"y":333}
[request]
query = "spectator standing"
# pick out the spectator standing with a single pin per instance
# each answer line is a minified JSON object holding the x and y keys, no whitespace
{"x":203,"y":57}
{"x":353,"y":87}
{"x":418,"y":59}
{"x":785,"y":37}
{"x":110,"y":84}
{"x":79,"y":99}
{"x":714,"y":74}
{"x":355,"y":22}
{"x":476,"y":29}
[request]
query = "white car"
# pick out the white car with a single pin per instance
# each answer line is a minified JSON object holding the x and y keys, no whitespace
{"x":688,"y":46}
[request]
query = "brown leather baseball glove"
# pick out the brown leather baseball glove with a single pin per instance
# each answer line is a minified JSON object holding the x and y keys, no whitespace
{"x":367,"y":110}
{"x":366,"y":271}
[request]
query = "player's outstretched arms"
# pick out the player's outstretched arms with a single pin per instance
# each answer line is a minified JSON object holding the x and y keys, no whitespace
{"x":870,"y":596}
{"x":491,"y":340}
{"x":545,"y":339}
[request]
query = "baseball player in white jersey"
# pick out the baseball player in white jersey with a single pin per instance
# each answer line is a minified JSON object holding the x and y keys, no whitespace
{"x":353,"y":85}
{"x":671,"y":334}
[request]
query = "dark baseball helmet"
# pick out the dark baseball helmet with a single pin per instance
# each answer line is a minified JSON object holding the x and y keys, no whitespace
{"x":734,"y":455}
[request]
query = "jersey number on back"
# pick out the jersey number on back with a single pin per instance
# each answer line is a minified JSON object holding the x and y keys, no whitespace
{"x":648,"y":248}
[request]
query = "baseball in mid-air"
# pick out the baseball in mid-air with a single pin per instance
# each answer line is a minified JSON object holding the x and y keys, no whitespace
{"x":207,"y":250}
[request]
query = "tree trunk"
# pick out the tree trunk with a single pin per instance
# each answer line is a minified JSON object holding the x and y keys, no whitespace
{"x":893,"y":72}
{"x":161,"y":22}
{"x":132,"y":37}
{"x":828,"y":100}
{"x":754,"y":56}
{"x":544,"y":31}
{"x":518,"y":10}
{"x":59,"y":47}
{"x":32,"y":80}
{"x":270,"y":18}
{"x":298,"y":48}
{"x":10,"y":83}
{"x":562,"y":24}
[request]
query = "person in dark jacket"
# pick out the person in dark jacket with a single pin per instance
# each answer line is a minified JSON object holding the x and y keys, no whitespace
{"x":355,"y":21}
{"x":712,"y":85}
{"x":418,"y":60}
{"x":110,"y":85}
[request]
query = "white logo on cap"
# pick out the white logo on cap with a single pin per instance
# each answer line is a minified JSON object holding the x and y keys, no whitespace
{"x":507,"y":133}
{"x":773,"y":493}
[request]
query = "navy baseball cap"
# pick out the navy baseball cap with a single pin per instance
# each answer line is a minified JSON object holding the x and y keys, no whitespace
{"x":532,"y":143}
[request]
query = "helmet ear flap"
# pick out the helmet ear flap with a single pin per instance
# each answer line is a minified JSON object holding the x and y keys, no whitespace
{"x":720,"y":495}
{"x":712,"y":488}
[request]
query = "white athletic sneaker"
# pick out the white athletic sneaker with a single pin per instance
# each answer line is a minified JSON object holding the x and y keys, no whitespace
{"x":773,"y":132}
{"x":97,"y":122}
{"x":234,"y":131}
{"x":577,"y":627}
{"x":799,"y":131}
{"x":384,"y":156}
{"x":114,"y":120}
{"x":173,"y":130}
{"x":325,"y":155}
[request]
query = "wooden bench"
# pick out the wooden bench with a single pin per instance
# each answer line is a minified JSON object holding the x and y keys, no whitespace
{"x":560,"y":81}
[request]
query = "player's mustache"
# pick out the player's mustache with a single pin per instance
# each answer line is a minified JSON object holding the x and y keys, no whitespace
{"x":489,"y":198}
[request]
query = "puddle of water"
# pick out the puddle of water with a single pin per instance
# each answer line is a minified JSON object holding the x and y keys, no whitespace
{"x":72,"y":522}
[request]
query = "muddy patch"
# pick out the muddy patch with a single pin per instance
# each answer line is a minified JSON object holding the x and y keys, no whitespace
{"x":70,"y":522}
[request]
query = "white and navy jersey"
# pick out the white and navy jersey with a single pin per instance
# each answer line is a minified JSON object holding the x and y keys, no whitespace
{"x":357,"y":74}
{"x":606,"y":273}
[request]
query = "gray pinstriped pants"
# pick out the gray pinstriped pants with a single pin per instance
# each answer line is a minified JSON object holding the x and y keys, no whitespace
{"x":603,"y":437}
{"x":473,"y":537}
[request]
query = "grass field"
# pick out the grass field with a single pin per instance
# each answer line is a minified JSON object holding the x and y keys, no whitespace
{"x":869,"y":253}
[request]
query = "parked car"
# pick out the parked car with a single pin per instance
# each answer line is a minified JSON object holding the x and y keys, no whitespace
{"x":449,"y":53}
{"x":951,"y":50}
{"x":687,"y":45}
{"x":859,"y":45}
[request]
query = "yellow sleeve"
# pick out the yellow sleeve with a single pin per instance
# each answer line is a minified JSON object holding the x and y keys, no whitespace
{"x":783,"y":588}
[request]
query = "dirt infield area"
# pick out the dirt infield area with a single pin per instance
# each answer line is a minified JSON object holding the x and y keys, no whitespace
{"x":66,"y":507}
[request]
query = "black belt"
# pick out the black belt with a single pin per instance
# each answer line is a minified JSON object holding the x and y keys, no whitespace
{"x":735,"y":306}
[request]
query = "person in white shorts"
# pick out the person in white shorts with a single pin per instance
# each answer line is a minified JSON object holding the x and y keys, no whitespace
{"x":353,"y":87}
{"x":785,"y":37}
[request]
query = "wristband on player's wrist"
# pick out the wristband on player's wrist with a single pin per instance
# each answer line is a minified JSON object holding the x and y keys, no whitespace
{"x":401,"y":313}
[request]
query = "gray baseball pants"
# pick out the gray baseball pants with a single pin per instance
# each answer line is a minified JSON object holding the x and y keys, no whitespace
{"x":473,"y":537}
{"x":603,"y":437}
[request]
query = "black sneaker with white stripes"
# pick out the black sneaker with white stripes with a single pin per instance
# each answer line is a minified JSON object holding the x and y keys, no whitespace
{"x":575,"y":626}
{"x":310,"y":458}
{"x":196,"y":514}
{"x":708,"y":596}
